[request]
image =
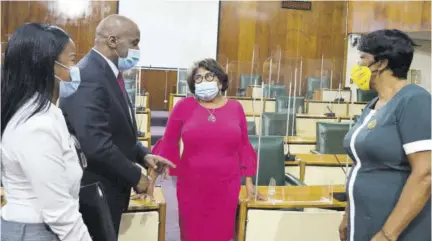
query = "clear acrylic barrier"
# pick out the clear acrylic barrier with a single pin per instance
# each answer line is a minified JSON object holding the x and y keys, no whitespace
{"x":132,"y":82}
{"x":182,"y":86}
{"x":244,"y":76}
{"x":318,"y":74}
{"x":300,"y":196}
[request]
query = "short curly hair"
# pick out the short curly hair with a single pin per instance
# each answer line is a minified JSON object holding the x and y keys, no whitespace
{"x":393,"y":45}
{"x":212,"y":66}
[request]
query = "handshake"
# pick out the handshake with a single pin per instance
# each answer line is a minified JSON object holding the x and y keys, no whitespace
{"x":156,"y":166}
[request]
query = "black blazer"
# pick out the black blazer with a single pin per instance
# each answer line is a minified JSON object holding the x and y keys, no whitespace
{"x":104,"y":123}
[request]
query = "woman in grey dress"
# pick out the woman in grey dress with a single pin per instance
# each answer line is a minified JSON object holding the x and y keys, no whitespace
{"x":389,"y":186}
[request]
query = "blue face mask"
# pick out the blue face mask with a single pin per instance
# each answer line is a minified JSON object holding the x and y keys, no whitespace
{"x":206,"y":91}
{"x":130,"y":60}
{"x":67,"y":88}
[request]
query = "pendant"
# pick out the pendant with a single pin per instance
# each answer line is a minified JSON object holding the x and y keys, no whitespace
{"x":211,"y":118}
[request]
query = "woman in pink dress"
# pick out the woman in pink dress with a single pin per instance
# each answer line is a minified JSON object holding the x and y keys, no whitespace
{"x":216,"y":154}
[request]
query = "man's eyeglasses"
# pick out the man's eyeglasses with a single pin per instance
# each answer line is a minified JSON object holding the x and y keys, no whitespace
{"x":209,"y":76}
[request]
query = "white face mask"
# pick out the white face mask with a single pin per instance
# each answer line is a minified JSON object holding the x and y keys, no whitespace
{"x":206,"y":91}
{"x":130,"y":60}
{"x":67,"y":88}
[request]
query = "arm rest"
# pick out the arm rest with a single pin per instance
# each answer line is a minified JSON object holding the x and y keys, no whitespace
{"x":291,"y":180}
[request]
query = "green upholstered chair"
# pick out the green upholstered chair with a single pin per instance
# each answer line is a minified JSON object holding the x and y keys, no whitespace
{"x":366,"y":95}
{"x":272,"y":91}
{"x":316,"y":83}
{"x":272,"y":164}
{"x":282,"y":103}
{"x":272,"y":161}
{"x":251,"y":128}
{"x":330,"y":136}
{"x":246,"y":80}
{"x":275,"y":123}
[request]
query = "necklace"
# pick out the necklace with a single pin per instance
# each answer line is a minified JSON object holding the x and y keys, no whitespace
{"x":211,"y":116}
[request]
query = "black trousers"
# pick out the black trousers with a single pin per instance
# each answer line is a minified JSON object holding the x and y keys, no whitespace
{"x":102,"y":215}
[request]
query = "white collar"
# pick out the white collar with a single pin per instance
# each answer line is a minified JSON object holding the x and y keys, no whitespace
{"x":110,"y":63}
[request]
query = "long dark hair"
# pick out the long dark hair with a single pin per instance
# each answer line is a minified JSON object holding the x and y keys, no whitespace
{"x":28,"y":68}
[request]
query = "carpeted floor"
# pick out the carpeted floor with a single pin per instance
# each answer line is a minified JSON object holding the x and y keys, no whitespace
{"x":172,"y":229}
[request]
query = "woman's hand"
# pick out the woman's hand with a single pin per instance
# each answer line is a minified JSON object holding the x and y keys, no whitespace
{"x":343,"y":228}
{"x":252,"y":190}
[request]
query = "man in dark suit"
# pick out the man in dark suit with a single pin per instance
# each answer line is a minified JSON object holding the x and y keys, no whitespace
{"x":100,"y":115}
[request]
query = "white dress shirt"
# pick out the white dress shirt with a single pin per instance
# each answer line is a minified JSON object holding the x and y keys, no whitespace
{"x":110,"y":63}
{"x":41,"y":173}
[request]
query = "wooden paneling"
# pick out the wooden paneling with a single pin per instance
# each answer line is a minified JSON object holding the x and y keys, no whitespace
{"x":159,"y":84}
{"x":310,"y":35}
{"x":78,"y":18}
{"x":409,"y":16}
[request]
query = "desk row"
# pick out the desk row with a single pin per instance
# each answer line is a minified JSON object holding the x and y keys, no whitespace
{"x":281,"y":104}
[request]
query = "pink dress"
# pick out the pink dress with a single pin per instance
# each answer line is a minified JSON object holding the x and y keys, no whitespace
{"x":215,"y":157}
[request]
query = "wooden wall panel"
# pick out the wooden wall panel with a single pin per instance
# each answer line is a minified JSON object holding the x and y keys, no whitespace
{"x":159,"y":84}
{"x":78,"y":19}
{"x":409,"y":16}
{"x":310,"y":35}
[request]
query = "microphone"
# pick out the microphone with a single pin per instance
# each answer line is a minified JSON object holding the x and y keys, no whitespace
{"x":289,"y":156}
{"x":339,"y":97}
{"x":330,"y":113}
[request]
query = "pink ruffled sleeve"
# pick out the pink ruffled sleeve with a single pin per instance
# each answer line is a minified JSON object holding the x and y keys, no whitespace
{"x":169,"y":146}
{"x":248,"y":156}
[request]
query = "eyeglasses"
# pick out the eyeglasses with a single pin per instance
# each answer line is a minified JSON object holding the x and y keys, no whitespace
{"x":209,"y":76}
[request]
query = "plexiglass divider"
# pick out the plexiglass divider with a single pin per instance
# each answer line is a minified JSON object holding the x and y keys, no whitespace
{"x":132,"y":82}
{"x":182,"y":86}
{"x":283,"y":76}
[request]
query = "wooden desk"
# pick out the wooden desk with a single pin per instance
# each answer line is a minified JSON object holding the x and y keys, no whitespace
{"x":345,"y":118}
{"x":132,"y":227}
{"x":143,"y":120}
{"x":146,"y":140}
{"x":143,"y":218}
{"x":142,"y":100}
{"x":306,"y":123}
{"x":299,"y":144}
{"x":320,"y":107}
{"x":314,"y":169}
{"x":249,"y":104}
{"x":356,"y":108}
{"x":294,"y":197}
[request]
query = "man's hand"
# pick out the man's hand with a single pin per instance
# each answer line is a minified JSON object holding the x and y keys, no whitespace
{"x":143,"y":184}
{"x":159,"y":164}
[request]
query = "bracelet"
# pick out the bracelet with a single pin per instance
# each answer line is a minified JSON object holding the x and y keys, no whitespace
{"x":387,"y":236}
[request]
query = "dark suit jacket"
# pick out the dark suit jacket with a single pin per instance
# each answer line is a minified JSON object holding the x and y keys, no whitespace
{"x":104,"y":123}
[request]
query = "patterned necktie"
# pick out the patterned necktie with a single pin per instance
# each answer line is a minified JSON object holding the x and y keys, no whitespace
{"x":121,"y":83}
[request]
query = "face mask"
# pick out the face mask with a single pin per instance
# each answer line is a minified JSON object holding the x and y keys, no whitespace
{"x":361,"y":76}
{"x":130,"y":61}
{"x":206,"y":91}
{"x":67,"y":88}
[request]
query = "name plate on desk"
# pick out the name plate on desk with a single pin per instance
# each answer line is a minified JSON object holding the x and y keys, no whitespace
{"x":298,"y":5}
